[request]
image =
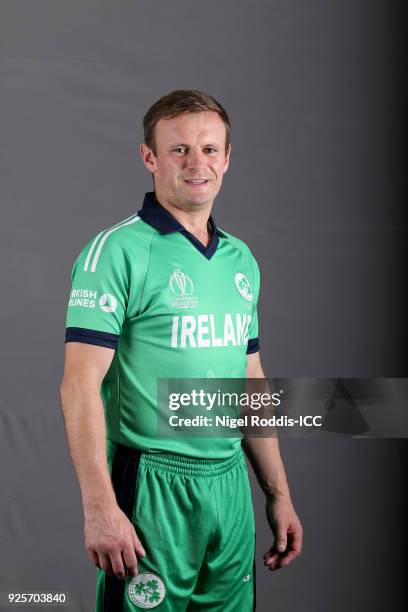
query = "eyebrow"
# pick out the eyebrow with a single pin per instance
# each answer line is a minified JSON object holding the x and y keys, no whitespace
{"x":180,"y":144}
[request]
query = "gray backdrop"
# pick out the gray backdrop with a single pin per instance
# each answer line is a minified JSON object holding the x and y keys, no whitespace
{"x":315,"y":187}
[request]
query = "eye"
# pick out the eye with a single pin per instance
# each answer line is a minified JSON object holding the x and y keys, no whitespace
{"x":210,"y":150}
{"x":180,"y":149}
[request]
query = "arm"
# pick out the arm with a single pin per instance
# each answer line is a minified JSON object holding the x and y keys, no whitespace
{"x":108,"y":532}
{"x":264,"y":456}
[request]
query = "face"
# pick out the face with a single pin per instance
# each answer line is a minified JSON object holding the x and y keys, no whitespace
{"x":190,"y":159}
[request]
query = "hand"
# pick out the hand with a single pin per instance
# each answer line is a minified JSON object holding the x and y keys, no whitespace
{"x":112,"y":543}
{"x":288,"y":532}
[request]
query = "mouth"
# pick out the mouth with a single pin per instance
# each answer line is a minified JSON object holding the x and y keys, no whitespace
{"x":196,"y":182}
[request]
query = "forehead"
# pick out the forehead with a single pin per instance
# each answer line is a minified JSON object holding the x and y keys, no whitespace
{"x":190,"y":127}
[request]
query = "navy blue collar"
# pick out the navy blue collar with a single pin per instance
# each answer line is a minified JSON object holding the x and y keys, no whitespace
{"x":153,"y":213}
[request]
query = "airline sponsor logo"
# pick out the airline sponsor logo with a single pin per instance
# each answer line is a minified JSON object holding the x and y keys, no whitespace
{"x":82,"y":297}
{"x":108,"y":302}
{"x":87,"y":298}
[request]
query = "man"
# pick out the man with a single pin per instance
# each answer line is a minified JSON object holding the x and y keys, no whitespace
{"x":167,"y":294}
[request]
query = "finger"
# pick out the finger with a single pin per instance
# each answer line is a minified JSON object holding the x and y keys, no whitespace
{"x":130,"y":561}
{"x":105,"y":564}
{"x":282,"y":560}
{"x":94,"y":558}
{"x":272,"y":559}
{"x":117,"y":565}
{"x":140,"y":551}
{"x":296,"y":542}
{"x":270,"y":554}
{"x":285,"y":560}
{"x":273,"y":565}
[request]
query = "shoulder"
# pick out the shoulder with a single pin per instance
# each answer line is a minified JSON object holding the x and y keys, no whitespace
{"x":240,"y":245}
{"x":247,"y":257}
{"x":128,"y":238}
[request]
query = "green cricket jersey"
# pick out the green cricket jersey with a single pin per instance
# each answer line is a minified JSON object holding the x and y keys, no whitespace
{"x":172,"y":308}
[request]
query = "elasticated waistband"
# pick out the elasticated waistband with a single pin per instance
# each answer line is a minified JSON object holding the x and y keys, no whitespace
{"x":189,"y":466}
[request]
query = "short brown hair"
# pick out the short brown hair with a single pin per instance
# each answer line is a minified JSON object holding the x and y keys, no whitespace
{"x":177,"y":103}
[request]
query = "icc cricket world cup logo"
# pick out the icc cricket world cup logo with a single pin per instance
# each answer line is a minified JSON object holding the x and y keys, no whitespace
{"x":182,"y":288}
{"x":181,"y":284}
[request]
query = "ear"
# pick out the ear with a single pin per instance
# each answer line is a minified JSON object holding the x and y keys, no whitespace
{"x":227,"y":159}
{"x":148,"y":158}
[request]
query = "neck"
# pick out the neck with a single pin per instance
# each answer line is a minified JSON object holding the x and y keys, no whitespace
{"x":195,"y":221}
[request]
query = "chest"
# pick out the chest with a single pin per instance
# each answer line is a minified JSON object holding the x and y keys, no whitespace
{"x":180,"y":280}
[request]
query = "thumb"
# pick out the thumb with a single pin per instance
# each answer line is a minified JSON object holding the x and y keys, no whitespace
{"x":280,"y":541}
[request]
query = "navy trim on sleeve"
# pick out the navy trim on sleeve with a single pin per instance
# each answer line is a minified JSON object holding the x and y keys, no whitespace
{"x":91,"y":336}
{"x":253,"y":346}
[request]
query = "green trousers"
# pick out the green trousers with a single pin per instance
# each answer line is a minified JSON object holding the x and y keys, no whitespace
{"x":195,"y":520}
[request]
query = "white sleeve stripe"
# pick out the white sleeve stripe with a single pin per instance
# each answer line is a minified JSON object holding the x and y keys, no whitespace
{"x":102,"y":242}
{"x":91,"y":250}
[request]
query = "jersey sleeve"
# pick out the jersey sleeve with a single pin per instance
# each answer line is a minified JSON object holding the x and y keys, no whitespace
{"x":99,"y":295}
{"x":253,"y":334}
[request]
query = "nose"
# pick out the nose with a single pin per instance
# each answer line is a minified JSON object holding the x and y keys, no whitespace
{"x":195,"y":158}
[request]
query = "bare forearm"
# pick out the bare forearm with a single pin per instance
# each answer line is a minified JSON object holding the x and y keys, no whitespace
{"x":85,"y":426}
{"x":264,"y":453}
{"x":265,"y":458}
